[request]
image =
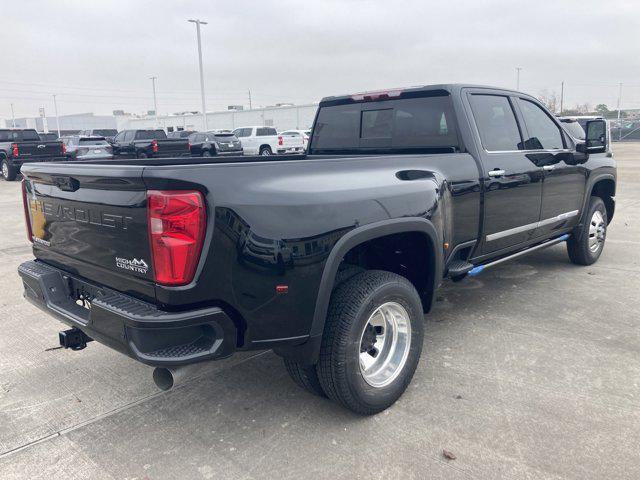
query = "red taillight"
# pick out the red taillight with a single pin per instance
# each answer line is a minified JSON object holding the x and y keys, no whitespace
{"x":177,"y":221}
{"x":280,"y":140}
{"x":64,"y":148}
{"x":15,"y":151}
{"x":154,"y":146}
{"x":27,"y":216}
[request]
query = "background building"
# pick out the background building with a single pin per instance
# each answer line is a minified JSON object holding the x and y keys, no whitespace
{"x":282,"y":117}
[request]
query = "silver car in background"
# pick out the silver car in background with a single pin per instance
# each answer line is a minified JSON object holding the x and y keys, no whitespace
{"x":87,"y":148}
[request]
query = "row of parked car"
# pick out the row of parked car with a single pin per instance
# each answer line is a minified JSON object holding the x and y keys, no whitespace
{"x":18,"y":146}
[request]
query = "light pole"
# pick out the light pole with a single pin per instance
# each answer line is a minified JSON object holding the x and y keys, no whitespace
{"x":155,"y":102}
{"x":199,"y":22}
{"x":518,"y":77}
{"x":13,"y":116}
{"x":55,"y":109}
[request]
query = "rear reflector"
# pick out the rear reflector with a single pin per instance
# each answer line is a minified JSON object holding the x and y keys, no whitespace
{"x":177,"y":220}
{"x":27,"y":216}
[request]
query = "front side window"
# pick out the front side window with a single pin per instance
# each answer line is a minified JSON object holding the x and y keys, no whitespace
{"x":544,"y":134}
{"x":496,"y":123}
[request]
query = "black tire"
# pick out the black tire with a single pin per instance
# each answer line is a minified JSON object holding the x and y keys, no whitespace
{"x":9,"y":172}
{"x":206,"y":153}
{"x":142,"y":155}
{"x":305,"y":376}
{"x":585,"y":245}
{"x":351,"y":306}
{"x":345,"y":272}
{"x":266,"y":151}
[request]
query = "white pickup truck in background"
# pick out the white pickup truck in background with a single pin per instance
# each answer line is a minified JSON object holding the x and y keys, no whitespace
{"x":266,"y":141}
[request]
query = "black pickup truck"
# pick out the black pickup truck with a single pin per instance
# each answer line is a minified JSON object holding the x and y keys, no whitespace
{"x":148,"y":144}
{"x":18,"y":146}
{"x":331,"y":258}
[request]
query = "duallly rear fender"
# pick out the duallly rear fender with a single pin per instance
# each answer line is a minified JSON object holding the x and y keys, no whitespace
{"x":417,"y":235}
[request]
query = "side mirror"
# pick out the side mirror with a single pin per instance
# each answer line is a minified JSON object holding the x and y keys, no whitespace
{"x":582,"y":153}
{"x":596,"y":136}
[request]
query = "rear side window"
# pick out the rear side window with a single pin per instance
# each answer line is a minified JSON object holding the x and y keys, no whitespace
{"x":266,"y":131}
{"x":93,"y":141}
{"x":496,"y":123}
{"x":543,"y":132}
{"x":412,"y":123}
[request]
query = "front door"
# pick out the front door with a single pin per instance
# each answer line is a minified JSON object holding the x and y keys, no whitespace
{"x":565,"y":179}
{"x":512,"y":182}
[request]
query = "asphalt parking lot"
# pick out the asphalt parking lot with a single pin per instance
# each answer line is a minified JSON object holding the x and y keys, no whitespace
{"x":531,"y":370}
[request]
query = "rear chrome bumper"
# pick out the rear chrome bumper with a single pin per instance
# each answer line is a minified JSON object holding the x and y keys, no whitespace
{"x":128,"y":325}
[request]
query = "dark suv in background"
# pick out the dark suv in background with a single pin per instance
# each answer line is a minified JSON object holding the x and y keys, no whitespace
{"x":209,"y":144}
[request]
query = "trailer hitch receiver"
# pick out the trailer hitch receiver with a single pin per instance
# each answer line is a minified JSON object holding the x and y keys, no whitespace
{"x":74,"y":338}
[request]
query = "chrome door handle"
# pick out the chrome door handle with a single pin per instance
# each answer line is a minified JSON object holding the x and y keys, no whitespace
{"x":548,"y":168}
{"x":496,"y":173}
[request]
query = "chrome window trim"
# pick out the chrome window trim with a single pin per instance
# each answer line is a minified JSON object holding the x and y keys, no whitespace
{"x":541,"y":150}
{"x":531,"y":226}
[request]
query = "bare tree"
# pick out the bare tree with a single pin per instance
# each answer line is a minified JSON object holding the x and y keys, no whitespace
{"x":549,"y":99}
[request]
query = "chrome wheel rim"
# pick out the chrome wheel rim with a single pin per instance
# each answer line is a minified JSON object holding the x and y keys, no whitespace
{"x":384,"y":346}
{"x":597,"y":231}
{"x":265,"y":153}
{"x":5,"y":170}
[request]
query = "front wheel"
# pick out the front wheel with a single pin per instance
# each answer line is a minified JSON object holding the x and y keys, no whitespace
{"x":9,"y":172}
{"x":372,"y":341}
{"x":586,"y":244}
{"x":206,"y":153}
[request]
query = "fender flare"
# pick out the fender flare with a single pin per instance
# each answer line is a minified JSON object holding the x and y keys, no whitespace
{"x":363,"y":234}
{"x":589,"y":190}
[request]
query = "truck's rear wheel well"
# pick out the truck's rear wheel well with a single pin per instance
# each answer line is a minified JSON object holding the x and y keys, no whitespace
{"x":606,"y":190}
{"x":409,"y":254}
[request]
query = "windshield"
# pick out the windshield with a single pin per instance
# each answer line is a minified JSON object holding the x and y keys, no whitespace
{"x":93,"y":141}
{"x":106,"y":132}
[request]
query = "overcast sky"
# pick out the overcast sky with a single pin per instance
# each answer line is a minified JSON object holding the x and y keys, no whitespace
{"x":98,"y":56}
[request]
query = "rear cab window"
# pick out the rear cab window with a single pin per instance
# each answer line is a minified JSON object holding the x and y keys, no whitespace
{"x":422,"y":122}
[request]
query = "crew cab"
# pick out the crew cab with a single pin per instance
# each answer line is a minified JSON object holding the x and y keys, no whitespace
{"x":19,"y":146}
{"x":266,"y":141}
{"x":331,"y":258}
{"x":148,"y":143}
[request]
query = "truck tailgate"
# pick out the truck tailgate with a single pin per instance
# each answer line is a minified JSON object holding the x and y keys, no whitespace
{"x":91,"y":220}
{"x":36,"y":150}
{"x":171,"y":146}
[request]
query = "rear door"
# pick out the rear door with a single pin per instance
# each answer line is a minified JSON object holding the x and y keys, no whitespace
{"x":564,"y":179}
{"x":512,"y":181}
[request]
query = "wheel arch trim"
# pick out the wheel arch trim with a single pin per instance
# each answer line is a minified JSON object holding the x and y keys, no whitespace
{"x":363,"y":234}
{"x":589,"y":192}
